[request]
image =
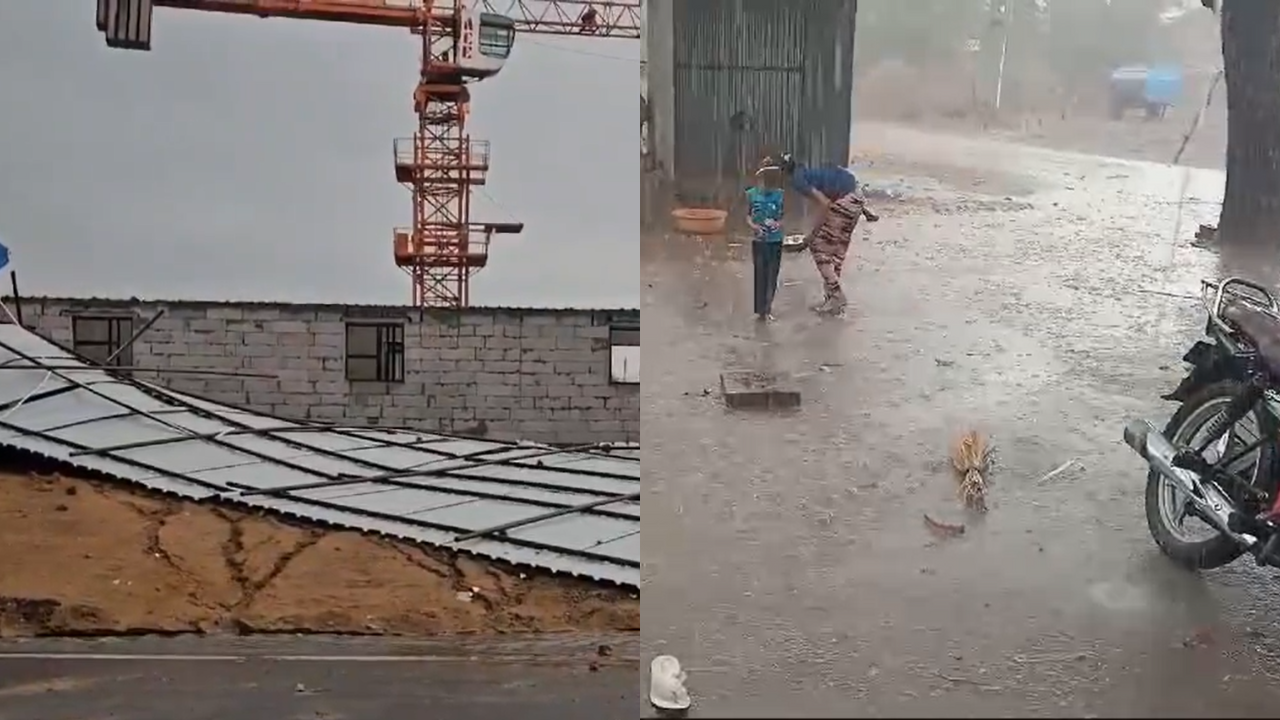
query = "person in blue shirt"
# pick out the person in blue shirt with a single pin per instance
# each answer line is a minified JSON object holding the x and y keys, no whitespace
{"x":764,"y":215}
{"x":835,"y":193}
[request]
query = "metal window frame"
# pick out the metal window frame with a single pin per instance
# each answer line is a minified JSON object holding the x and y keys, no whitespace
{"x":620,"y":335}
{"x":119,"y":332}
{"x":495,"y":41}
{"x":388,"y":355}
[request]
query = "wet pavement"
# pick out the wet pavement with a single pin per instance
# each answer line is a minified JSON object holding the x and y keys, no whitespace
{"x":1022,"y":292}
{"x":316,"y":678}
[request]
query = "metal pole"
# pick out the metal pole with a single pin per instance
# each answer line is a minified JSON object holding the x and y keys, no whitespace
{"x":145,"y":326}
{"x":96,"y":393}
{"x":17,"y":299}
{"x":1004,"y":50}
{"x":141,"y":368}
{"x":559,"y":512}
{"x":419,"y":470}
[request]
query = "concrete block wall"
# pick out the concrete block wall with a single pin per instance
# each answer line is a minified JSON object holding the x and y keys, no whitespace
{"x":503,"y":373}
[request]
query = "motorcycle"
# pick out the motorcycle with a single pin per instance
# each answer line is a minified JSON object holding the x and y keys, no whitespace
{"x":1218,"y":458}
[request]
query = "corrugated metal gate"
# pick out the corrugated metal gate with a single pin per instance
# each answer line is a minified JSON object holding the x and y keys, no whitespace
{"x":757,"y":76}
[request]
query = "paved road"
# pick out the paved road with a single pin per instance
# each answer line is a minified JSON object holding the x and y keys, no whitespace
{"x":315,"y":679}
{"x":787,"y":562}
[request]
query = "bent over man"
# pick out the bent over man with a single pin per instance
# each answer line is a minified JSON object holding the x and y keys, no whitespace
{"x":835,"y":193}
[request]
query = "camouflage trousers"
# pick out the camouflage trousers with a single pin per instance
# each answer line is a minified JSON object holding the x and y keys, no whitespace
{"x":830,"y":244}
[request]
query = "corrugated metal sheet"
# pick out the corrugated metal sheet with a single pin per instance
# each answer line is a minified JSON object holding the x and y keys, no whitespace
{"x":575,"y":512}
{"x":756,"y":76}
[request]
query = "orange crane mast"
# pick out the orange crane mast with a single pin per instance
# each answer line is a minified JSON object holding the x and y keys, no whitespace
{"x":463,"y":41}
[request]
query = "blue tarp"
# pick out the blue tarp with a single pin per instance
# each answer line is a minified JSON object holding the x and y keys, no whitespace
{"x":1163,"y":84}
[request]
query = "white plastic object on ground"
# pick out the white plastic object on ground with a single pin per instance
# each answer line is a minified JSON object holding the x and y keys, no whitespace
{"x":666,"y":684}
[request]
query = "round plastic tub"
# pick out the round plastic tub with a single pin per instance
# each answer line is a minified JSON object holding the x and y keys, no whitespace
{"x":699,"y":221}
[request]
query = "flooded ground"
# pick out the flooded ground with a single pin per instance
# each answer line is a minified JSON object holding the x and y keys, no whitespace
{"x":1025,"y":293}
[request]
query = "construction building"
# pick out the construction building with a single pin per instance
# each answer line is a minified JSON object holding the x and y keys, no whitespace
{"x":560,"y":376}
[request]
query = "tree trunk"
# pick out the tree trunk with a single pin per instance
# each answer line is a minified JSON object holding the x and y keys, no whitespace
{"x":1250,"y":218}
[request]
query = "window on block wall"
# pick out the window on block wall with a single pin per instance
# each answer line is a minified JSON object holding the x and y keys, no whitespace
{"x":375,"y":352}
{"x":100,"y":338}
{"x":624,"y":354}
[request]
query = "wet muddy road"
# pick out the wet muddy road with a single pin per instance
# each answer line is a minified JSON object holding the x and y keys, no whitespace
{"x":788,"y":564}
{"x":319,"y":678}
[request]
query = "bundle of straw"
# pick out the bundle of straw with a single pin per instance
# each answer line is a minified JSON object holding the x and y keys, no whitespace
{"x":971,"y":457}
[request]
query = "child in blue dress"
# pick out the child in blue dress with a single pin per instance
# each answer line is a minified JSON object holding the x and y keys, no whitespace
{"x":764,"y":215}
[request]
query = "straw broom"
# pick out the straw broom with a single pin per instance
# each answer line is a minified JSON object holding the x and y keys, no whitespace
{"x":971,"y":457}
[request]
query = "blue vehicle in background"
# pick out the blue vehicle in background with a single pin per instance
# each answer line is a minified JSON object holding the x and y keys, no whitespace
{"x":1153,"y":89}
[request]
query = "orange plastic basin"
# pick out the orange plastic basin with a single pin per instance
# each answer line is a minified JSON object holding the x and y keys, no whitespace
{"x":699,"y":221}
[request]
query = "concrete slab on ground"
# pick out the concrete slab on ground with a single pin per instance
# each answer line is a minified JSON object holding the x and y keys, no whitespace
{"x":756,"y":390}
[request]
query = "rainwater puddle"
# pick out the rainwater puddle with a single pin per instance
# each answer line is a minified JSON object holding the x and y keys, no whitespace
{"x":1120,"y":596}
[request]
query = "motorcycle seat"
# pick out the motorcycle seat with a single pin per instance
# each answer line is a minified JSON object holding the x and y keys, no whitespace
{"x":1261,"y":328}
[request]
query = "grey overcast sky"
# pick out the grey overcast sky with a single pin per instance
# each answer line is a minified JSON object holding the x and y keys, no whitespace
{"x":245,"y":158}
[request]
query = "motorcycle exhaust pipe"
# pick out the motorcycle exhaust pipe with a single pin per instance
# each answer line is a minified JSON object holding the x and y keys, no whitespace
{"x":1155,"y":448}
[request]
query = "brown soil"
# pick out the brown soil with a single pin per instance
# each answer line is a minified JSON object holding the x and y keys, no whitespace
{"x":86,"y":557}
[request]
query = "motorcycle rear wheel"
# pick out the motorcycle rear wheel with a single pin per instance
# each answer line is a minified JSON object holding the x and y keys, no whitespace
{"x":1187,"y":427}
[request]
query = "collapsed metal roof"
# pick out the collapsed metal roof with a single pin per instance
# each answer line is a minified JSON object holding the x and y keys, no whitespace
{"x":574,"y":510}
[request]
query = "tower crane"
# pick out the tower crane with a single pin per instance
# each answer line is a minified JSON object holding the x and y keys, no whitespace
{"x":463,"y":41}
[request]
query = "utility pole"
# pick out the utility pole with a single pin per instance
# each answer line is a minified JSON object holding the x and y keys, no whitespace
{"x":1004,"y":17}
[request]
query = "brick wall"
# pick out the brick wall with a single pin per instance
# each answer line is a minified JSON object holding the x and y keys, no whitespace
{"x":533,"y":374}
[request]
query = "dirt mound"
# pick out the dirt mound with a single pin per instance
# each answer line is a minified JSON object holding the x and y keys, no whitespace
{"x":85,"y":557}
